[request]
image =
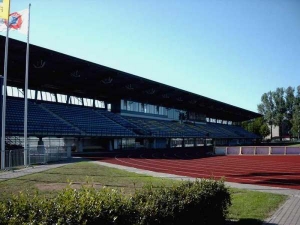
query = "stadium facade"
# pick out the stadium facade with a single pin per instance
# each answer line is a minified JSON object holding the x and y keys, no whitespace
{"x":86,"y":104}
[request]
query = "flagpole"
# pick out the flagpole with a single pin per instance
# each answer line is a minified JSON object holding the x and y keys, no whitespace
{"x":4,"y":100}
{"x":25,"y":93}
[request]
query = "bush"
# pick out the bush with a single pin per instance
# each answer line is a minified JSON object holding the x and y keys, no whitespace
{"x":200,"y":202}
{"x":84,"y":206}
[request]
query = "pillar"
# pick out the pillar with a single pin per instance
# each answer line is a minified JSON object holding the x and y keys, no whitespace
{"x":69,"y":150}
{"x":79,"y":145}
{"x":110,"y":145}
{"x":154,"y":143}
{"x":40,"y":147}
{"x":168,"y":143}
{"x":1,"y":101}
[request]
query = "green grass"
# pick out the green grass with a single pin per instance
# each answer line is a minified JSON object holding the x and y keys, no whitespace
{"x":251,"y":207}
{"x":294,"y":145}
{"x":51,"y":181}
{"x":248,"y":207}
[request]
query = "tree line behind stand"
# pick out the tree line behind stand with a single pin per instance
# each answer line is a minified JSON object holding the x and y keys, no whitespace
{"x":279,"y":108}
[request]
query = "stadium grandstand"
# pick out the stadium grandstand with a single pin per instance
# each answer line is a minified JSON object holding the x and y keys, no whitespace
{"x":87,"y":105}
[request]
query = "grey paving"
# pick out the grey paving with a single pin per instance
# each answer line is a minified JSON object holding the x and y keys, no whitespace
{"x":26,"y":171}
{"x":35,"y":169}
{"x":287,"y":214}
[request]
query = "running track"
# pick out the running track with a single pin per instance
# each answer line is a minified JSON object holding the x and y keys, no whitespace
{"x":276,"y":171}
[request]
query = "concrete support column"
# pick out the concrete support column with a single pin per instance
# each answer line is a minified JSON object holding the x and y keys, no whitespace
{"x":41,"y":147}
{"x":110,"y":145}
{"x":168,"y":143}
{"x":154,"y":143}
{"x":69,"y":149}
{"x":183,"y":144}
{"x":79,"y":145}
{"x":1,"y":102}
{"x":214,"y":145}
{"x":195,"y":142}
{"x":117,"y":144}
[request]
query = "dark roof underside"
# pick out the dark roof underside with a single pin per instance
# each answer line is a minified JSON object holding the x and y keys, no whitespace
{"x":59,"y":73}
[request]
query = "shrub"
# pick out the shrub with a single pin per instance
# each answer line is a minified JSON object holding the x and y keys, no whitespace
{"x":200,"y":202}
{"x":84,"y":206}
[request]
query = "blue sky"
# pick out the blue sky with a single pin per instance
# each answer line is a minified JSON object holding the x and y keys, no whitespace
{"x":232,"y":51}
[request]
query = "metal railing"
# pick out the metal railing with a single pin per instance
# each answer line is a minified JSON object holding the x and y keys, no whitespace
{"x":257,"y":150}
{"x":36,"y":155}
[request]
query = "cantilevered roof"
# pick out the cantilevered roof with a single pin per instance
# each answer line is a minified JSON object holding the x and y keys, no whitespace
{"x":60,"y":73}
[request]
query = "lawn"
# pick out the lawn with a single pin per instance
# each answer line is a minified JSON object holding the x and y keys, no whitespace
{"x":251,"y":207}
{"x":248,"y":207}
{"x":294,"y":145}
{"x":51,"y":181}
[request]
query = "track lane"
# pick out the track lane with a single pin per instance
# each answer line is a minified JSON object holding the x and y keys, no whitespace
{"x":276,"y":171}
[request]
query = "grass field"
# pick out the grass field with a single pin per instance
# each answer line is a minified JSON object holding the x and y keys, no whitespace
{"x":248,"y":207}
{"x":294,"y":145}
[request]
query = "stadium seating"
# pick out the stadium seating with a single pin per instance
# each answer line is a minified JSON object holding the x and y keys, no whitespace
{"x":124,"y":122}
{"x":45,"y":118}
{"x":40,"y":122}
{"x":177,"y":129}
{"x":90,"y":121}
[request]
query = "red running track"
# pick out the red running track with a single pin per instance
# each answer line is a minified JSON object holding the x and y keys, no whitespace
{"x":276,"y":171}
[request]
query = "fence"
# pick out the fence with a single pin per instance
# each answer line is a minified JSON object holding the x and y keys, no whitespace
{"x":36,"y":155}
{"x":257,"y":150}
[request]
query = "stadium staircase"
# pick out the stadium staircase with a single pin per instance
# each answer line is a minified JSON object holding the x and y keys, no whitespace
{"x":186,"y":130}
{"x":124,"y":122}
{"x":155,"y":127}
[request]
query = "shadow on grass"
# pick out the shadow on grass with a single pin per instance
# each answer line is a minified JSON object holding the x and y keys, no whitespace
{"x":248,"y":221}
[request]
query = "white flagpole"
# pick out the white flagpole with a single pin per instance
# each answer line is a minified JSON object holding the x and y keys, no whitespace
{"x":25,"y":93}
{"x":4,"y":100}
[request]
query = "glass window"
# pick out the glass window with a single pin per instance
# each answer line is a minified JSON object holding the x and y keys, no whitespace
{"x":31,"y":94}
{"x":9,"y":91}
{"x":39,"y":95}
{"x":125,"y":104}
{"x":99,"y":104}
{"x":61,"y":98}
{"x":142,"y":107}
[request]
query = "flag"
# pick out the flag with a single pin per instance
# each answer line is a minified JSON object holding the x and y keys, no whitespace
{"x":17,"y":21}
{"x":4,"y":9}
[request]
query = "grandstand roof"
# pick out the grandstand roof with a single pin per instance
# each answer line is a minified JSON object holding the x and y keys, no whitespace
{"x":60,"y":73}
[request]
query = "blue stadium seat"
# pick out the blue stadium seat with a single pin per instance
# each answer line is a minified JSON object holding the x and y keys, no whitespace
{"x":40,"y":121}
{"x":89,"y":120}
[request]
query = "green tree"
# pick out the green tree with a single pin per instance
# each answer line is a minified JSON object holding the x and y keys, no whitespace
{"x":296,"y":121}
{"x":264,"y":130}
{"x":279,"y":109}
{"x":267,"y":109}
{"x":289,"y":102}
{"x":296,"y":115}
{"x":257,"y":126}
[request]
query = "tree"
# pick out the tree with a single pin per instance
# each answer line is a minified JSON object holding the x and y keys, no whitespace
{"x":279,"y":109}
{"x":264,"y":130}
{"x":289,"y":102}
{"x":296,"y":121}
{"x":267,"y":109}
{"x":257,"y":126}
{"x":296,"y":115}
